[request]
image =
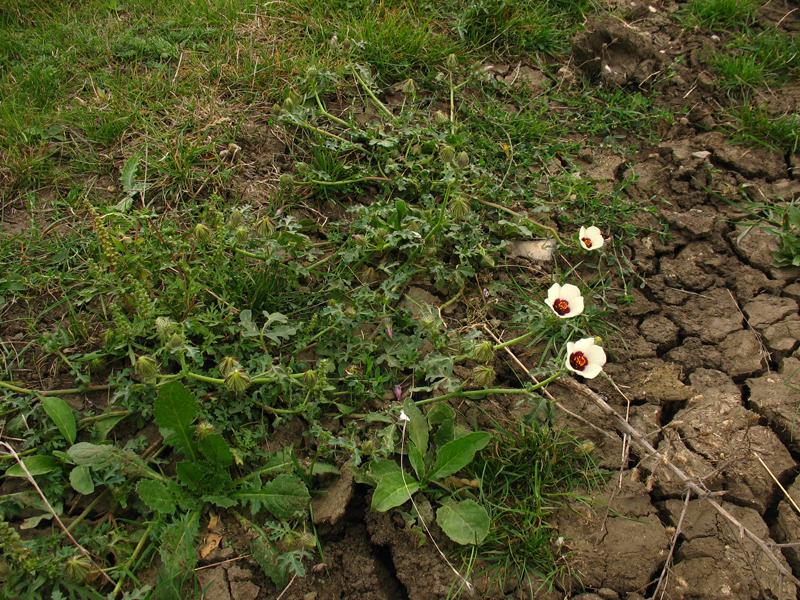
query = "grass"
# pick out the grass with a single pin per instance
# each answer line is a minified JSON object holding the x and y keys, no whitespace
{"x":236,"y":196}
{"x":721,"y":14}
{"x":757,"y":59}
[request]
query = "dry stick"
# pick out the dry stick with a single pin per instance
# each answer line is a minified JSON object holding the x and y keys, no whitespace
{"x":39,"y":491}
{"x":775,"y":479}
{"x":672,"y":547}
{"x":222,"y":562}
{"x":691,"y":485}
{"x":550,"y":397}
{"x":286,"y":589}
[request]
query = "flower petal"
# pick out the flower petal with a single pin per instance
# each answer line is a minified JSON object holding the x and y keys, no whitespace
{"x":596,"y":355}
{"x":569,"y":292}
{"x":576,"y":307}
{"x":582,"y":345}
{"x":553,"y":293}
{"x":591,"y":371}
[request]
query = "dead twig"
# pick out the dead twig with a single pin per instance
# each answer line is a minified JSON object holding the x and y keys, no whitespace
{"x":663,"y":576}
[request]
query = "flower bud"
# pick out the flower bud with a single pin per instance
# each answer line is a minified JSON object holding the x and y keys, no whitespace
{"x":483,"y":352}
{"x":146,"y":368}
{"x":483,"y":375}
{"x":310,"y":377}
{"x":241,"y":233}
{"x":202,"y":233}
{"x":452,"y":61}
{"x":237,"y":381}
{"x":165,"y":326}
{"x":77,"y":568}
{"x":440,"y":117}
{"x":286,"y":180}
{"x":228,"y":364}
{"x":174,"y":341}
{"x":288,"y":104}
{"x":462,"y":159}
{"x":447,"y":154}
{"x":265,"y":227}
{"x":408,"y":87}
{"x":235,"y":219}
{"x":587,"y":447}
{"x":203,"y":429}
{"x":459,"y":207}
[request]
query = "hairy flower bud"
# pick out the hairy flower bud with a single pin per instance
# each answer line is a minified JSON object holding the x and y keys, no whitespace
{"x":202,"y":233}
{"x":408,"y":87}
{"x":174,"y":341}
{"x":459,"y":207}
{"x":265,"y":227}
{"x":310,"y":378}
{"x":237,"y":381}
{"x":462,"y":159}
{"x":483,"y":375}
{"x":228,"y":364}
{"x":483,"y":352}
{"x":203,"y":429}
{"x":452,"y":61}
{"x":440,"y":117}
{"x":447,"y":154}
{"x":165,"y":327}
{"x":146,"y":368}
{"x":235,"y":219}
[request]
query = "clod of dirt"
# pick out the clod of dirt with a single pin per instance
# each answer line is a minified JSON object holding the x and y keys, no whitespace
{"x":411,"y":558}
{"x":420,"y":303}
{"x":742,"y":354}
{"x":652,"y":380}
{"x":776,"y":396}
{"x":616,"y":53}
{"x":715,"y":561}
{"x":694,"y":354}
{"x":615,"y":542}
{"x":244,"y":590}
{"x":214,"y":583}
{"x":757,"y":246}
{"x":660,"y":331}
{"x":750,"y":162}
{"x":603,"y":167}
{"x":535,"y":250}
{"x":711,"y":316}
{"x":792,"y":291}
{"x":689,"y":269}
{"x":527,"y":76}
{"x":766,"y":309}
{"x":331,"y":506}
{"x":745,"y":281}
{"x":698,"y":221}
{"x":640,"y":305}
{"x":787,"y":526}
{"x":782,"y":337}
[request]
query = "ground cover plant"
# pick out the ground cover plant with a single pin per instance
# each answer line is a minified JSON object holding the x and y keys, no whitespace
{"x":268,"y":270}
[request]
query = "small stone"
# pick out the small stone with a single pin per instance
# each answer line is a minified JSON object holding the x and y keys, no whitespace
{"x":782,"y":336}
{"x":310,"y":596}
{"x":536,"y":250}
{"x":701,"y":154}
{"x":766,"y":309}
{"x":607,"y":594}
{"x":237,"y":573}
{"x":244,"y":590}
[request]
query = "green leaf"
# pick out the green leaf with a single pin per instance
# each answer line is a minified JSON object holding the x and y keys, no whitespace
{"x":465,"y":522}
{"x":285,"y":496}
{"x":62,"y":415}
{"x":91,"y":455}
{"x":128,"y":175}
{"x":105,"y":423}
{"x":393,"y":489}
{"x":440,"y":413}
{"x":417,"y":426}
{"x":80,"y":478}
{"x":455,"y":455}
{"x":157,"y":496}
{"x":174,"y":410}
{"x":214,"y":447}
{"x":37,"y":465}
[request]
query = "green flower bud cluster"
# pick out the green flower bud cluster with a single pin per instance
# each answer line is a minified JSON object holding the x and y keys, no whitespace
{"x":15,"y":550}
{"x":146,"y":368}
{"x":109,"y":252}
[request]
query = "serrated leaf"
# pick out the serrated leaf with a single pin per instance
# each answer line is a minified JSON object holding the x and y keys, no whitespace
{"x":80,"y":478}
{"x":216,"y":450}
{"x":393,"y":489}
{"x":174,"y":410}
{"x":157,"y":496}
{"x":62,"y":415}
{"x":36,"y":465}
{"x":465,"y":522}
{"x":455,"y":455}
{"x":285,"y":496}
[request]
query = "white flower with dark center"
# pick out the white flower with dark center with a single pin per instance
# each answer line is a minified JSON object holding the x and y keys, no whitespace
{"x":585,"y":358}
{"x":591,"y":238}
{"x":565,"y":300}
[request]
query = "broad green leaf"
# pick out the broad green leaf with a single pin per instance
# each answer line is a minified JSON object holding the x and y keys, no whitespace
{"x":465,"y":522}
{"x":455,"y":455}
{"x":128,"y":174}
{"x":216,"y":450}
{"x":221,"y":501}
{"x":393,"y":489}
{"x":105,"y":423}
{"x":80,"y":478}
{"x":174,"y":410}
{"x":417,"y":427}
{"x":92,"y":455}
{"x":285,"y":496}
{"x":417,"y":460}
{"x":62,"y":415}
{"x":156,"y":496}
{"x":37,"y":465}
{"x":193,"y":475}
{"x":440,"y":413}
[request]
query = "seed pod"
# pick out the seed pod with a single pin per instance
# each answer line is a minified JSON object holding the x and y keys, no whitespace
{"x":462,"y":159}
{"x":146,"y":368}
{"x":165,"y":326}
{"x":237,"y":381}
{"x":483,"y":375}
{"x":202,"y":233}
{"x":174,"y":341}
{"x":483,"y":352}
{"x":447,"y":154}
{"x":459,"y":207}
{"x":228,"y":364}
{"x":440,"y":117}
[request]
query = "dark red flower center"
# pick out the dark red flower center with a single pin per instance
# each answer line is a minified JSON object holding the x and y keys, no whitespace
{"x":561,"y":306}
{"x":587,"y":242}
{"x":578,"y":361}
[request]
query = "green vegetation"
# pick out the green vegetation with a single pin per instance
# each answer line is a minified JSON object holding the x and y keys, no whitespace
{"x":724,"y":14}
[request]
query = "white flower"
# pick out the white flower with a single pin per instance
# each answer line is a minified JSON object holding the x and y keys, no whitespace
{"x":585,"y":358}
{"x":591,"y":238}
{"x":565,"y":300}
{"x":403,"y":416}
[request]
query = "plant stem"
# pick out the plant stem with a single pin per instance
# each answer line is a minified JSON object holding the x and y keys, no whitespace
{"x":381,"y":106}
{"x":64,"y":392}
{"x":345,"y":181}
{"x":129,"y":563}
{"x":491,"y":391}
{"x":514,"y":213}
{"x":514,"y":341}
